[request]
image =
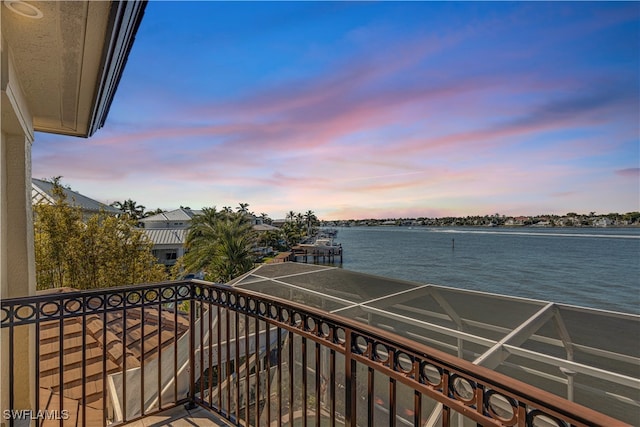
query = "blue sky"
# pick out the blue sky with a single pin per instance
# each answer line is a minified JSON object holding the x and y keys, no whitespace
{"x":371,"y":110}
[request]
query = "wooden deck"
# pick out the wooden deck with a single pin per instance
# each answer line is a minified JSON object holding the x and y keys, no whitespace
{"x":282,"y":257}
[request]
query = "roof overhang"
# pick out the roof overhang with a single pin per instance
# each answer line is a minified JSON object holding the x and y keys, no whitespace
{"x":69,"y":59}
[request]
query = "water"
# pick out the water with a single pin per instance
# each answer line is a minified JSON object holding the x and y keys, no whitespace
{"x":597,"y":268}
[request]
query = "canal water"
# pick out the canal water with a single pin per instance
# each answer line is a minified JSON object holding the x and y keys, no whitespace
{"x":597,"y":268}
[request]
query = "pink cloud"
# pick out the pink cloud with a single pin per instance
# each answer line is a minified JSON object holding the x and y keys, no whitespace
{"x":385,"y":128}
{"x":628,"y":172}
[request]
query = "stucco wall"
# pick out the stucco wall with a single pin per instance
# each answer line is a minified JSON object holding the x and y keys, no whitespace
{"x":17,"y":258}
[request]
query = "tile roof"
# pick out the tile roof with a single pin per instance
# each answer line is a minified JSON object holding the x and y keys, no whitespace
{"x":141,"y":342}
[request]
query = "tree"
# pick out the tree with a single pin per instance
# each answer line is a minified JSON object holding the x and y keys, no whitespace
{"x":102,"y":251}
{"x":293,"y":232}
{"x":312,"y":221}
{"x":631,"y":217}
{"x":201,"y":240}
{"x":273,"y":238}
{"x":265,"y":218}
{"x":242,"y":207}
{"x":234,"y":250}
{"x":220,"y":244}
{"x":130,"y":208}
{"x":156,"y":212}
{"x":299,"y":226}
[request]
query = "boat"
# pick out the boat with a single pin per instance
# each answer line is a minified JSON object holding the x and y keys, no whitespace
{"x":327,"y":233}
{"x":322,"y":246}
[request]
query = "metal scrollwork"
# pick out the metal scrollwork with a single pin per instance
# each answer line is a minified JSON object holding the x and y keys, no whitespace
{"x":501,"y":407}
{"x":431,"y":374}
{"x":462,"y":389}
{"x":537,"y":418}
{"x":403,"y":362}
{"x":453,"y":383}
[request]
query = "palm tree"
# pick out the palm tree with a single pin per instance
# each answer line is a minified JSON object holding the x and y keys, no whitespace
{"x":265,"y":218}
{"x":156,"y":212}
{"x":201,"y":240}
{"x":234,"y":248}
{"x":219,"y":243}
{"x":311,"y":220}
{"x":242,"y":207}
{"x":130,"y":208}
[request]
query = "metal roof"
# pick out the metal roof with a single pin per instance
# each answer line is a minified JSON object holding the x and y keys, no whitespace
{"x":166,"y":236}
{"x":175,"y":215}
{"x":586,"y":355}
{"x":42,"y":192}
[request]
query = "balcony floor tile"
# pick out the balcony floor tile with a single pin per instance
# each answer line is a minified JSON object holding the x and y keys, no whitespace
{"x":181,"y":417}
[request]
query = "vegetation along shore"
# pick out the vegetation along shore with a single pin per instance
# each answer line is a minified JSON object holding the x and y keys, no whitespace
{"x":629,"y":219}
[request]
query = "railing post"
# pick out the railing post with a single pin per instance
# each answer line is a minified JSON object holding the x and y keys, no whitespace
{"x":192,"y":348}
{"x":350,"y":381}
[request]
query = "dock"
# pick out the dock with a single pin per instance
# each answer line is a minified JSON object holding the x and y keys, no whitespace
{"x":282,"y":257}
{"x":301,"y":254}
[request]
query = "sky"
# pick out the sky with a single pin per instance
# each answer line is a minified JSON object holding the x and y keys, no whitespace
{"x":361,"y":110}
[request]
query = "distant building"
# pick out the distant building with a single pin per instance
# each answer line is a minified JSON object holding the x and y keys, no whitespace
{"x":519,"y":220}
{"x":42,"y":193}
{"x":179,"y":218}
{"x":603,"y":222}
{"x":279,"y":222}
{"x":168,"y":232}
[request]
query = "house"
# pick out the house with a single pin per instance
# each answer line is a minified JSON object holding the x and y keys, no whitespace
{"x":60,"y":65}
{"x":519,"y":220}
{"x":168,"y":232}
{"x":176,"y":219}
{"x":603,"y":222}
{"x":42,"y":192}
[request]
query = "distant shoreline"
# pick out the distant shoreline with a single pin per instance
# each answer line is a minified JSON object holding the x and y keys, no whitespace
{"x":571,"y":220}
{"x":488,"y":226}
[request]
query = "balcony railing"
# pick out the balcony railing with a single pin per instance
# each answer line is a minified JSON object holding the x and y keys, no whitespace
{"x":104,"y":357}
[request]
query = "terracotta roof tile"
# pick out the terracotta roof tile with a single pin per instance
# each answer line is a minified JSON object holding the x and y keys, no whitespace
{"x":96,"y":345}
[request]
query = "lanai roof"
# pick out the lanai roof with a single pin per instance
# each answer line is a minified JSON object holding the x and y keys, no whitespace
{"x":539,"y":342}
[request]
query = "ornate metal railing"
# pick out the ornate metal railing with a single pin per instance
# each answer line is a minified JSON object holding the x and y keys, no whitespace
{"x":117,"y":355}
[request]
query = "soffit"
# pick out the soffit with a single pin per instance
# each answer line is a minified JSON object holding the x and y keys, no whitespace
{"x":61,"y":60}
